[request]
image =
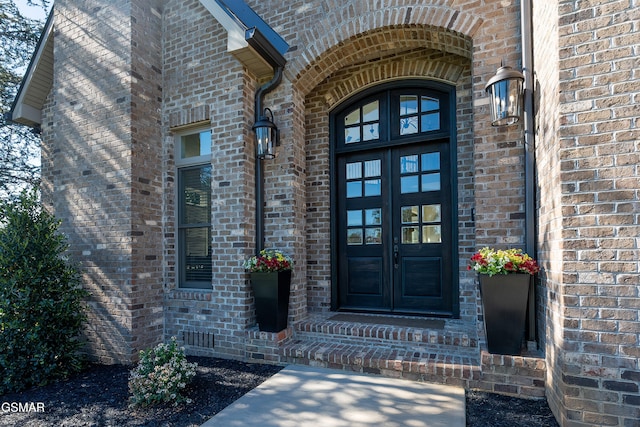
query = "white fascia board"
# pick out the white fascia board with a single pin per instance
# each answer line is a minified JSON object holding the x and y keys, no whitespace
{"x":235,"y":31}
{"x":22,"y":112}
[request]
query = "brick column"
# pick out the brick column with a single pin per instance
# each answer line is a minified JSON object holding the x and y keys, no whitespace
{"x":105,"y":178}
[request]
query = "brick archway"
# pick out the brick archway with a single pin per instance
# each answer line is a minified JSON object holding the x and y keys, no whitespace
{"x":366,"y":34}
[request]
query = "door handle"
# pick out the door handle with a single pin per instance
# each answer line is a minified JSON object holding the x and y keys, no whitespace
{"x":396,"y":256}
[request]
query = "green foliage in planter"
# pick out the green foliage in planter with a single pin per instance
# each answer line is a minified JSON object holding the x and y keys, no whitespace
{"x":41,"y":310}
{"x":161,"y":375}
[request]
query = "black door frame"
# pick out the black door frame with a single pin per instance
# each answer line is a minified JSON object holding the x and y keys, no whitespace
{"x":449,"y":133}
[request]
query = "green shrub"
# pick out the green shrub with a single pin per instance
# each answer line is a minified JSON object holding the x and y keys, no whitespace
{"x":41,"y":311}
{"x":161,"y":375}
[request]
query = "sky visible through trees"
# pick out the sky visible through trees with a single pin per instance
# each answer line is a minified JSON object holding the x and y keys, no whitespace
{"x":21,"y":23}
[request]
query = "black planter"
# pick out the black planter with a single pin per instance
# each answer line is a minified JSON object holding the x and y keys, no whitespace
{"x":271,"y":292}
{"x":504,"y":300}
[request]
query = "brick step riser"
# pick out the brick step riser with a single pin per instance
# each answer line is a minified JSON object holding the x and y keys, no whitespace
{"x":418,"y":366}
{"x":401,"y":345}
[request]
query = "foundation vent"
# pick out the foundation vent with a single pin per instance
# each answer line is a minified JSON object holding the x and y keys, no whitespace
{"x":198,"y":339}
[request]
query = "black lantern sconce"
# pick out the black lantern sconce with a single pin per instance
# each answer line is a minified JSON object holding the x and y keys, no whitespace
{"x":267,"y":135}
{"x":505,"y":91}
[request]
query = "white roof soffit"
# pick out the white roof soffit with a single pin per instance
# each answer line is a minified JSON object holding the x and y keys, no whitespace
{"x":37,"y":81}
{"x":247,"y":35}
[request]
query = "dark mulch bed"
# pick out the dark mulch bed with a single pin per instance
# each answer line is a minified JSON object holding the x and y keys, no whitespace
{"x":98,"y":397}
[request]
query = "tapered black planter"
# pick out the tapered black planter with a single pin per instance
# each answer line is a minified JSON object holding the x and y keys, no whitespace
{"x":504,"y":300}
{"x":271,"y":292}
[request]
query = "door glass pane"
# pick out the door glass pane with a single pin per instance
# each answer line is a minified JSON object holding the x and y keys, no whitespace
{"x":410,"y":235}
{"x":431,"y":213}
{"x":354,"y":170}
{"x":431,"y":182}
{"x":431,"y":161}
{"x":408,"y":125}
{"x":352,"y":118}
{"x":371,"y":131}
{"x":352,"y":135}
{"x":370,"y":112}
{"x":373,"y":216}
{"x":372,"y":187}
{"x":409,"y":184}
{"x":409,"y":214}
{"x":354,"y":189}
{"x":354,"y":236}
{"x":429,"y":104}
{"x":408,"y":104}
{"x":430,"y":122}
{"x":431,"y":234}
{"x":354,"y":218}
{"x":409,"y":164}
{"x":373,"y":236}
{"x":372,"y":168}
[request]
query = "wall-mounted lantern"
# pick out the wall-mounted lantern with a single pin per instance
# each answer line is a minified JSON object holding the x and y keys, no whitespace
{"x":505,"y":91}
{"x":266,"y":136}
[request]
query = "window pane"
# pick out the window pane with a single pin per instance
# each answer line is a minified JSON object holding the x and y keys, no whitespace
{"x":194,"y":145}
{"x":409,"y":214}
{"x":373,"y":216}
{"x":408,"y":104}
{"x":354,"y":170}
{"x":371,"y":132}
{"x":431,"y":182}
{"x":373,"y":236}
{"x":198,"y":254}
{"x":352,"y":118}
{"x":352,"y":135}
{"x":429,"y":104}
{"x":430,"y":122}
{"x":372,"y":187}
{"x":372,"y":168}
{"x":410,"y":235}
{"x":354,"y":236}
{"x":370,"y":112}
{"x":431,"y":213}
{"x":195,"y":185}
{"x":409,"y":184}
{"x":354,"y":189}
{"x":409,"y":125}
{"x":354,"y":218}
{"x":431,"y":161}
{"x":409,"y":164}
{"x":431,"y":234}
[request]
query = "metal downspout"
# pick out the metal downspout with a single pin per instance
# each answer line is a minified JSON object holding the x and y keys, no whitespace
{"x":529,"y":155}
{"x":259,"y":172}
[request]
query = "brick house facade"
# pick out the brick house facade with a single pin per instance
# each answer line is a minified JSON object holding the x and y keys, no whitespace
{"x":125,"y":80}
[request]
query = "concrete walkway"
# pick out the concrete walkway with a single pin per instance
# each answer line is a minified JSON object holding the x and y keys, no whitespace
{"x":315,"y":397}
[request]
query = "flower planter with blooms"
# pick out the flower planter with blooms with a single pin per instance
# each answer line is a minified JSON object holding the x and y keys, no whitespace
{"x":503,"y":261}
{"x":505,"y":277}
{"x":271,"y":280}
{"x":269,"y":260}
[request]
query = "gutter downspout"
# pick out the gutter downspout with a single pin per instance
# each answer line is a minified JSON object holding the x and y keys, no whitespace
{"x":259,"y":172}
{"x":529,"y":156}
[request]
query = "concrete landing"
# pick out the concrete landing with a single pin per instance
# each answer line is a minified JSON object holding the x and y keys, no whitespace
{"x":317,"y":397}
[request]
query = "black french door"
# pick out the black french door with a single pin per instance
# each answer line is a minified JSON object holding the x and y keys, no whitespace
{"x":393,"y":214}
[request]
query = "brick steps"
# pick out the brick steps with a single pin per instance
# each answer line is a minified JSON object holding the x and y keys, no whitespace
{"x":447,"y":355}
{"x":423,"y":354}
{"x":401,"y":338}
{"x":409,"y":364}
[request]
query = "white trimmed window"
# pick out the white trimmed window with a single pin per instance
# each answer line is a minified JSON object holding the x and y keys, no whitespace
{"x":193,"y":161}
